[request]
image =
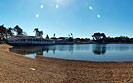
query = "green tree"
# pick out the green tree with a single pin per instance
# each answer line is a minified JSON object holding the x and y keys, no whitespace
{"x":3,"y":32}
{"x":38,"y":33}
{"x":99,"y":36}
{"x":9,"y":32}
{"x":47,"y":37}
{"x":18,"y":30}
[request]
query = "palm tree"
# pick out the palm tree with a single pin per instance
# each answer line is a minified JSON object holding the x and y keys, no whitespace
{"x":47,"y":37}
{"x":18,"y":30}
{"x":72,"y":35}
{"x":36,"y":29}
{"x":38,"y":33}
{"x":68,"y":35}
{"x":54,"y":35}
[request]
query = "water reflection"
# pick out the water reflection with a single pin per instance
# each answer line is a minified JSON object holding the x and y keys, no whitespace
{"x":99,"y":49}
{"x":40,"y":50}
{"x":89,"y":52}
{"x":24,"y":50}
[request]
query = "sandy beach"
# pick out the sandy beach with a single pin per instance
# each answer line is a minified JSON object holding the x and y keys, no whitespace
{"x":15,"y":68}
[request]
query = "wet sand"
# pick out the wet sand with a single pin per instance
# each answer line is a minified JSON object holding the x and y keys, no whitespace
{"x":15,"y":68}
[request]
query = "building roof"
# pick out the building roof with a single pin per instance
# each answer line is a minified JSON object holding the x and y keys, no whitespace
{"x":25,"y":37}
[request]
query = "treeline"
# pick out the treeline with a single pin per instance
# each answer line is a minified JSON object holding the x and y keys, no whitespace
{"x":102,"y":38}
{"x":6,"y":33}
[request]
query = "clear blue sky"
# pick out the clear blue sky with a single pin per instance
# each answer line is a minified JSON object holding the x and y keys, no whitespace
{"x":80,"y":17}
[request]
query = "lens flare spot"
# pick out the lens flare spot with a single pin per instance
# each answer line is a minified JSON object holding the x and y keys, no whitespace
{"x":98,"y":16}
{"x":42,"y":6}
{"x":57,"y":6}
{"x":37,"y":15}
{"x":90,"y":7}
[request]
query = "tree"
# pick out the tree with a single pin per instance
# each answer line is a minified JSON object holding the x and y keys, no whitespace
{"x":47,"y":37}
{"x":99,"y":36}
{"x":68,"y":35}
{"x":103,"y":35}
{"x":9,"y":32}
{"x":38,"y":33}
{"x":36,"y":29}
{"x":72,"y":35}
{"x":18,"y":30}
{"x":5,"y":33}
{"x":54,"y":35}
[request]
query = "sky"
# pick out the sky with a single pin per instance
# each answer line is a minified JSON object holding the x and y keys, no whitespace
{"x":81,"y":17}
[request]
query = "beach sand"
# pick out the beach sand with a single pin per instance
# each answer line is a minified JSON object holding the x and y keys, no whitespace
{"x":15,"y":68}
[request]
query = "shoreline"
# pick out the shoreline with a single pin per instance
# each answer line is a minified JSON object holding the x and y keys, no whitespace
{"x":17,"y":68}
{"x":71,"y":59}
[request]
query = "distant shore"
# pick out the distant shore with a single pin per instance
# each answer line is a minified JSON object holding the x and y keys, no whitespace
{"x":15,"y":68}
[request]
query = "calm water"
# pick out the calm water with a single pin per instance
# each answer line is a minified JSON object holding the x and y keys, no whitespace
{"x":86,"y":52}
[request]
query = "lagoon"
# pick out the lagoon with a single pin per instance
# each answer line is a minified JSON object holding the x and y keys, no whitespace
{"x":83,"y":52}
